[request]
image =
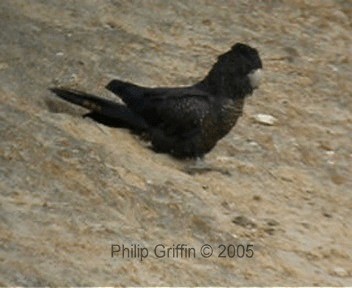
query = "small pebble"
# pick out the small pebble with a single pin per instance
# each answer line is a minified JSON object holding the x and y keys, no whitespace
{"x":269,"y":230}
{"x":272,"y":222}
{"x":3,"y":66}
{"x":265,"y":119}
{"x":341,"y":272}
{"x":257,"y":198}
{"x":244,"y":222}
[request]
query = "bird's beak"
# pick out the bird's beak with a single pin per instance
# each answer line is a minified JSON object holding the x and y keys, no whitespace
{"x":255,"y":78}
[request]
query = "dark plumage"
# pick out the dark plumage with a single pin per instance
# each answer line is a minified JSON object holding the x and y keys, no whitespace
{"x":184,"y":121}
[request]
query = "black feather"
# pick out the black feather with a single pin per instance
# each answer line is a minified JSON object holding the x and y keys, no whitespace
{"x":110,"y":111}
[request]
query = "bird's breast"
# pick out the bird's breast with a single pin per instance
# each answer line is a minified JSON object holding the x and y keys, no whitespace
{"x":230,"y":111}
{"x":221,"y":121}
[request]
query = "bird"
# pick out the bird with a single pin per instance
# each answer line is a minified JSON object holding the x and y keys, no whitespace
{"x":185,"y":122}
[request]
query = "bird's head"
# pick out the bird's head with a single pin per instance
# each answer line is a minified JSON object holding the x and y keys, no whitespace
{"x":243,"y":61}
{"x":236,"y":73}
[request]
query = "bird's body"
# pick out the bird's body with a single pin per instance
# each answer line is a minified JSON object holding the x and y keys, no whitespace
{"x":183,"y":121}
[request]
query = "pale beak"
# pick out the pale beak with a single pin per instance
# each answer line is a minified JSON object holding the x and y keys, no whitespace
{"x":255,"y":78}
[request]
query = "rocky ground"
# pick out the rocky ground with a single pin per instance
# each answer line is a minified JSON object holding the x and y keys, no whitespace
{"x":70,"y":188}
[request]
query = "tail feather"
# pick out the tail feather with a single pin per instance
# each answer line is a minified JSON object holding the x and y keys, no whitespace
{"x":102,"y":106}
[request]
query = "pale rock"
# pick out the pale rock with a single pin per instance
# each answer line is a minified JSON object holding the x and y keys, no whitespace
{"x":265,"y":119}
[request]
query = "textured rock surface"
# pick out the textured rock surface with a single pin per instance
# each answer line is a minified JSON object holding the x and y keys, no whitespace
{"x":70,"y":187}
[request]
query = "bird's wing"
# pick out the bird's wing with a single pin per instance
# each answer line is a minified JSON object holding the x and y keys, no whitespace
{"x":178,"y":112}
{"x":129,"y":92}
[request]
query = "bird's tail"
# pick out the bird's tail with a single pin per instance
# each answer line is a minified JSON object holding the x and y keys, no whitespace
{"x":103,"y":107}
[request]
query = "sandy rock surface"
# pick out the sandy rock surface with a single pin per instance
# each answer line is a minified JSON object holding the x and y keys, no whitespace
{"x":70,"y":188}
